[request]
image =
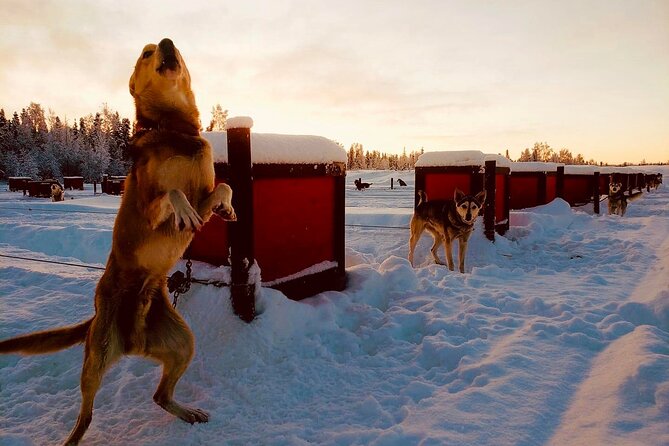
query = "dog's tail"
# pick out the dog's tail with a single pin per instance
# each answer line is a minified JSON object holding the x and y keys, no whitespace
{"x":422,"y":197}
{"x":47,"y":341}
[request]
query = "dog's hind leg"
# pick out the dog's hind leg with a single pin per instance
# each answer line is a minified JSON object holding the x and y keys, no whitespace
{"x":416,"y":229}
{"x":97,"y":358}
{"x":438,"y":238}
{"x":170,"y":341}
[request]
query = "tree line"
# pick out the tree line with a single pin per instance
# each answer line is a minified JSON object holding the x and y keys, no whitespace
{"x":375,"y":160}
{"x":41,"y":145}
{"x":541,"y":151}
{"x":357,"y":158}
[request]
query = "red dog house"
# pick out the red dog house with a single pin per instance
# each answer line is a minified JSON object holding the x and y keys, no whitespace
{"x":18,"y":183}
{"x":579,"y":184}
{"x":73,"y":183}
{"x":295,"y":216}
{"x":532,"y":184}
{"x":113,"y":185}
{"x":471,"y":171}
{"x":41,"y":189}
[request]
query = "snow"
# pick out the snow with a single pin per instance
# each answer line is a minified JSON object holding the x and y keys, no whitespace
{"x":239,"y":122}
{"x":534,"y":167}
{"x":581,"y":169}
{"x":460,"y":158}
{"x":269,"y":148}
{"x":557,"y":334}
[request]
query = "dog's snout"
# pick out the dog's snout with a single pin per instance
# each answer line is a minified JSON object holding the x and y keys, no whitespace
{"x":168,"y":52}
{"x":166,"y":46}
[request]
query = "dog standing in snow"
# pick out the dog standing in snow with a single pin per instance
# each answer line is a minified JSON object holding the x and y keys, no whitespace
{"x":169,"y":194}
{"x":446,"y":220}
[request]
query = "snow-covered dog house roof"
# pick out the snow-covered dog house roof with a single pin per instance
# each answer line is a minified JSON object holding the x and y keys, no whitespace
{"x":296,"y":220}
{"x":459,"y":158}
{"x":269,"y":148}
{"x":518,"y":167}
{"x":440,"y":173}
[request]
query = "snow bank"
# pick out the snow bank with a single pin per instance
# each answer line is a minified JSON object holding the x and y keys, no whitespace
{"x":267,"y":148}
{"x":625,"y":397}
{"x":556,"y":334}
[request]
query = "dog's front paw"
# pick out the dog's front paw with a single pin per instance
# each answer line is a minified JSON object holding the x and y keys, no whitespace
{"x":226,"y":212}
{"x":185,"y":217}
{"x":223,"y":202}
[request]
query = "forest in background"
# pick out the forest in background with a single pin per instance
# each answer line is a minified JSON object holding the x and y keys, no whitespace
{"x":39,"y":144}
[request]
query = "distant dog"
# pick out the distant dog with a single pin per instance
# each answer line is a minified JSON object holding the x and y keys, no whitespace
{"x":360,"y":185}
{"x":57,"y":193}
{"x":169,"y":194}
{"x":446,"y":220}
{"x":653,"y":182}
{"x":617,"y":199}
{"x":401,"y":182}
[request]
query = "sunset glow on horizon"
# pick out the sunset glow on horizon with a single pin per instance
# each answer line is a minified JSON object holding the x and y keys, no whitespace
{"x":592,"y":77}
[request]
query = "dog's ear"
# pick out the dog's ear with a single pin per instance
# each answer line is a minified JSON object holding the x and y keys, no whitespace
{"x":458,"y":195}
{"x":480,"y":197}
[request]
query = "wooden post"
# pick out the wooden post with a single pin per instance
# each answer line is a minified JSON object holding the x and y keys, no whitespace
{"x":489,"y":211}
{"x":241,"y":232}
{"x":391,"y":183}
{"x":559,"y":182}
{"x":595,"y":193}
{"x":542,"y":188}
{"x":339,"y":238}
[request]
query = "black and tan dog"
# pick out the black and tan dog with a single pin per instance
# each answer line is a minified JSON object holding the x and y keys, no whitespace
{"x":446,"y":220}
{"x":169,"y":194}
{"x":617,"y":200}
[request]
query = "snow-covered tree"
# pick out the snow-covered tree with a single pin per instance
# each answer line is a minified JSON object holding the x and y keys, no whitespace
{"x":218,"y":119}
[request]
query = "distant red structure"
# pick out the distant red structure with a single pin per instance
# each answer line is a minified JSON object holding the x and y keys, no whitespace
{"x":72,"y":183}
{"x":532,"y":184}
{"x":16,"y":184}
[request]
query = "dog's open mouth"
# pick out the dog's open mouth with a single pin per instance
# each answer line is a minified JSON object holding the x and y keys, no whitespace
{"x":169,"y":67}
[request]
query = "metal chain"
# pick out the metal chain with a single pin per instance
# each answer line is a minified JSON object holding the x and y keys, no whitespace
{"x":180,"y":284}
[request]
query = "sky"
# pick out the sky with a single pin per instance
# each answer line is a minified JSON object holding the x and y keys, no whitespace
{"x":590,"y":76}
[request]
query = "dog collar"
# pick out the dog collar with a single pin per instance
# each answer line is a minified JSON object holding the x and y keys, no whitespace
{"x":143,"y":126}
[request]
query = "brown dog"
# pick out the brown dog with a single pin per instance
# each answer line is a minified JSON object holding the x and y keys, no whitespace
{"x":446,"y":221}
{"x":169,"y":194}
{"x":57,"y":193}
